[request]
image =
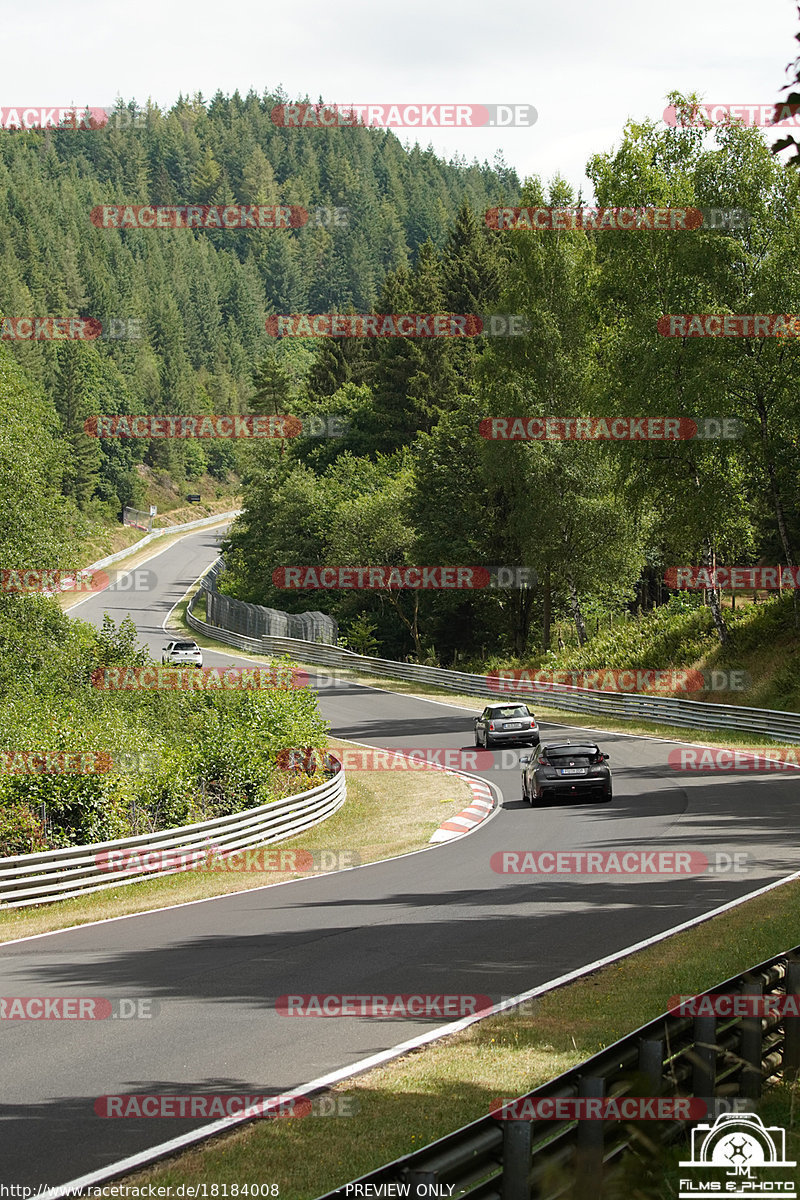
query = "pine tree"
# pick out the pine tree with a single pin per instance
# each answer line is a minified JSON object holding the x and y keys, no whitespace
{"x":76,"y":398}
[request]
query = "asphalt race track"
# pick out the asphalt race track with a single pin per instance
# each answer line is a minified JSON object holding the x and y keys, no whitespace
{"x":441,"y":921}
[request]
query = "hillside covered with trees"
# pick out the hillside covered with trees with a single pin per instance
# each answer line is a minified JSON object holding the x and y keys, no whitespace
{"x":198,"y":298}
{"x":598,"y":521}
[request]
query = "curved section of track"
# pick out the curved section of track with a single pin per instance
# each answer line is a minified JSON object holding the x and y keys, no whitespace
{"x":437,"y":921}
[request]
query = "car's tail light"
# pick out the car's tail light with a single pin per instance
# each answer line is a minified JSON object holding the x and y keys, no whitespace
{"x":533,"y":724}
{"x":491,"y":724}
{"x":542,"y":762}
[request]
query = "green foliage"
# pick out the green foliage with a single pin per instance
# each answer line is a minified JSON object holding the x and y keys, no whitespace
{"x":20,"y":831}
{"x":361,"y":635}
{"x":159,"y":759}
{"x":661,"y":639}
{"x":191,"y":304}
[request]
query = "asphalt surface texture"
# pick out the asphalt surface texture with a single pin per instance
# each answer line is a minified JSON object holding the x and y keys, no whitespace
{"x":437,"y":922}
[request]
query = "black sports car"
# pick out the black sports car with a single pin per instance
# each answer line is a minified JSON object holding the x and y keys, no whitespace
{"x":565,"y":770}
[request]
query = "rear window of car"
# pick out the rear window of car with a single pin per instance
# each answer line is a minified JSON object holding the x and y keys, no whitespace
{"x":511,"y":710}
{"x":186,"y":645}
{"x":572,"y":751}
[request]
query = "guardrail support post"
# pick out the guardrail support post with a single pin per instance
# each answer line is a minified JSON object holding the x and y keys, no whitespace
{"x":517,"y":1138}
{"x":425,"y":1179}
{"x":791,"y":1025}
{"x":589,"y":1144}
{"x":750,"y":1048}
{"x":704,"y":1058}
{"x":651,"y":1063}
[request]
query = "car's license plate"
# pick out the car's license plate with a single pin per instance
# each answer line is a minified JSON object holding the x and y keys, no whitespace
{"x":573,"y":771}
{"x":513,"y":725}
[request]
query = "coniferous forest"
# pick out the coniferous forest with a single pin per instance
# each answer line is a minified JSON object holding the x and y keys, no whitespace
{"x":397,"y":230}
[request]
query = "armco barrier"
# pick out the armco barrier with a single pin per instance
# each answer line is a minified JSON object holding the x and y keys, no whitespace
{"x":60,"y":874}
{"x":661,"y":710}
{"x":157,"y":533}
{"x":723,"y":1061}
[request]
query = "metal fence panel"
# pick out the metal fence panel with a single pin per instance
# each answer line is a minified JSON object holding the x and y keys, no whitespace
{"x":256,"y":620}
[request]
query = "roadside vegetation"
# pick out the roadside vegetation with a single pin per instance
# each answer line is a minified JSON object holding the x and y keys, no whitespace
{"x":81,"y":764}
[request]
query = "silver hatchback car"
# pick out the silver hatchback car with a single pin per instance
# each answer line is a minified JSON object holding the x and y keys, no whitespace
{"x":506,"y":723}
{"x":182,"y":654}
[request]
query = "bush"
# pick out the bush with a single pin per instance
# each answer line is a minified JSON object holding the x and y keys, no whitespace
{"x":166,"y":756}
{"x":20,"y":831}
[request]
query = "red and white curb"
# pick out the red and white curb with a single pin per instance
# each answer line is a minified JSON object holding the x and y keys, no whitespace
{"x":469,"y":817}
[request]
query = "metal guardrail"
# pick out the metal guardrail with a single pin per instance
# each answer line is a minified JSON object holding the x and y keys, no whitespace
{"x":78,"y":870}
{"x":661,"y":710}
{"x":724,"y":1062}
{"x":157,"y":533}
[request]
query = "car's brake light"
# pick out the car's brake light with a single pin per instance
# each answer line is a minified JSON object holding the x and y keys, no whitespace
{"x":533,"y":724}
{"x":491,"y":724}
{"x":542,"y":762}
